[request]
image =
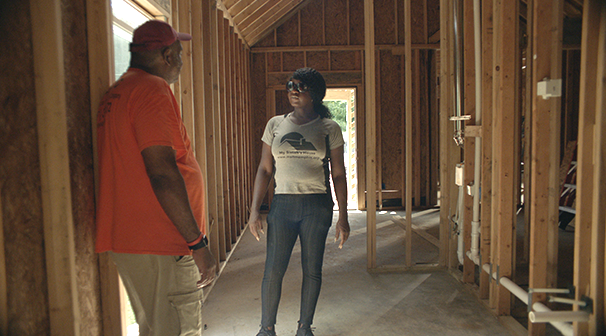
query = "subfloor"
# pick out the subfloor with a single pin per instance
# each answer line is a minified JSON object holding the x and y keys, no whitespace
{"x":353,"y":301}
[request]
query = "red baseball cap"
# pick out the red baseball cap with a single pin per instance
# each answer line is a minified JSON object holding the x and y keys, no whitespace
{"x":155,"y":34}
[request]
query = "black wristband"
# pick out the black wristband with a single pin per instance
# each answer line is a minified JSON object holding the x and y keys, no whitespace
{"x":202,"y":244}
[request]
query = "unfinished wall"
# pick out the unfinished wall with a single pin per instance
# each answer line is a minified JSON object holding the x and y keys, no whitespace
{"x":26,"y":284}
{"x":81,"y":164}
{"x":20,"y":185}
{"x":329,"y":36}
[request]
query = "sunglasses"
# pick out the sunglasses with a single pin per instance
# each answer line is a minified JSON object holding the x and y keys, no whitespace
{"x":301,"y":87}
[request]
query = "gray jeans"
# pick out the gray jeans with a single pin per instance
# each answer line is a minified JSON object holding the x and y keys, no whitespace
{"x":307,"y":217}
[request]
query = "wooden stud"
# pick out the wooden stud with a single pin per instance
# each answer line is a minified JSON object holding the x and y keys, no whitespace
{"x":505,"y":159}
{"x":448,"y":149}
{"x":371,"y":131}
{"x":408,"y":115}
{"x":487,"y":127}
{"x":3,"y":284}
{"x":204,"y":121}
{"x":585,"y":152}
{"x":598,"y":220}
{"x":47,"y":43}
{"x":547,"y":63}
{"x":185,"y":82}
{"x":469,"y":144}
{"x":101,"y":72}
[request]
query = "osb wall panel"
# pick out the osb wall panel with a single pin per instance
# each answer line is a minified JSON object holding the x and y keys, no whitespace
{"x":20,"y":177}
{"x":268,"y":41}
{"x":346,"y":60}
{"x":385,"y":25}
{"x":356,"y":22}
{"x":418,"y":21}
{"x":258,"y":103}
{"x":293,"y":61}
{"x":311,"y":17}
{"x":335,"y":25}
{"x":391,"y":109}
{"x":318,"y":60}
{"x":433,"y":17}
{"x":274,"y":62}
{"x":282,"y":104}
{"x":288,"y":32}
{"x":81,"y":165}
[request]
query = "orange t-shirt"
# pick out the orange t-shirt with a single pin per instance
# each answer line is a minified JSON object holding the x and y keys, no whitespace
{"x":137,"y":112}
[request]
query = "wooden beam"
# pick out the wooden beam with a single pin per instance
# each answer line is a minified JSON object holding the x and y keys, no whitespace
{"x":486,"y":130}
{"x":101,"y":73}
{"x":51,"y":107}
{"x":505,"y":160}
{"x":186,"y":76}
{"x":448,"y":150}
{"x":546,"y":34}
{"x":371,"y":131}
{"x":585,"y":152}
{"x":3,"y":284}
{"x":598,"y":219}
{"x":408,"y":115}
{"x":469,"y":108}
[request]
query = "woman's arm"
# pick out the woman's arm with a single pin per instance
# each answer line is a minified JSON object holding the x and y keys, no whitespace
{"x":339,"y":180}
{"x":264,"y":173}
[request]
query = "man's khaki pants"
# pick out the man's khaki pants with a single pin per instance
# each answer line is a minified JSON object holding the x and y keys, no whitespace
{"x":163,"y":293}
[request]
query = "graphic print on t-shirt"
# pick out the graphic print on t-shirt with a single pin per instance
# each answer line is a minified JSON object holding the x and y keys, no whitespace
{"x":297,"y":140}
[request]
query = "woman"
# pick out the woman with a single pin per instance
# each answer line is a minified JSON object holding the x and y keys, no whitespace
{"x":302,"y":143}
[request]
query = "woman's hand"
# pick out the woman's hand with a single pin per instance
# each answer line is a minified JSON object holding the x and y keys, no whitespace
{"x":342,"y":230}
{"x":255,"y":224}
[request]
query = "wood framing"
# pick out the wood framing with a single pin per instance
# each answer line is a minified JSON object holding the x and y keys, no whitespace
{"x":505,"y":160}
{"x":544,"y":197}
{"x":186,"y":76}
{"x":101,"y":72}
{"x":448,"y":149}
{"x":585,"y":170}
{"x":409,"y":136}
{"x":54,"y":167}
{"x":469,"y":108}
{"x":598,"y":219}
{"x":371,"y":155}
{"x":486,"y":184}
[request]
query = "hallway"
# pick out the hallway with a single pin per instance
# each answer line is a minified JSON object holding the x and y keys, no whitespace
{"x":353,"y":301}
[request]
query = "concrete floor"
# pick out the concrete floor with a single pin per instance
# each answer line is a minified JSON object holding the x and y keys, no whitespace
{"x":353,"y":301}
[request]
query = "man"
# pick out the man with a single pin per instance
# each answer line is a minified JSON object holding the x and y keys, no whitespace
{"x":151,"y":198}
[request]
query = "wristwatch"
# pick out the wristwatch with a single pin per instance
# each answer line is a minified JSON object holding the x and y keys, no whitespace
{"x":201,"y":244}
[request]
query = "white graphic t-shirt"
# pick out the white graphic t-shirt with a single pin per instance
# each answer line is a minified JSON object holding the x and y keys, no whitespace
{"x":300,"y":154}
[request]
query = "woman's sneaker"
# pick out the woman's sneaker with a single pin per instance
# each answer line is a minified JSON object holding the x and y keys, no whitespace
{"x":304,"y":330}
{"x":267,"y":332}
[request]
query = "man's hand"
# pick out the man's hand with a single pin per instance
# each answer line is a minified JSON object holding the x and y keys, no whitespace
{"x":255,"y":224}
{"x":206,"y":265}
{"x":342,"y":230}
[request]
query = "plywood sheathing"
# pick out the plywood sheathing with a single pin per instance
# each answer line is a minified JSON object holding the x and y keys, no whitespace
{"x":80,"y":146}
{"x":26,"y":284}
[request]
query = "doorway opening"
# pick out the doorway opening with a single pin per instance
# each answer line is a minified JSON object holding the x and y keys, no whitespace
{"x":342,"y":105}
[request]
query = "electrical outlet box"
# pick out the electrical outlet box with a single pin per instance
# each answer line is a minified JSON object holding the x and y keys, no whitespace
{"x":548,"y":88}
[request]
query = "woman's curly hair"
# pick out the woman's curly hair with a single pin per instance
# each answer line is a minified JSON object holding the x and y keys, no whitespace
{"x":317,"y":88}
